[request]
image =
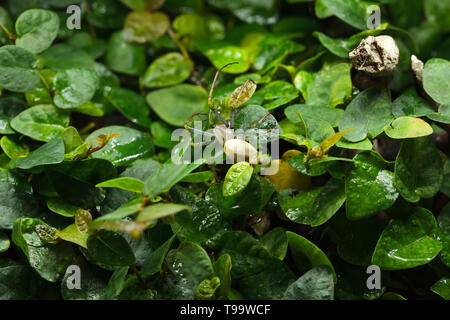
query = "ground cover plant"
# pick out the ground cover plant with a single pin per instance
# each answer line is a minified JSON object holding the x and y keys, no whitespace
{"x":355,"y":99}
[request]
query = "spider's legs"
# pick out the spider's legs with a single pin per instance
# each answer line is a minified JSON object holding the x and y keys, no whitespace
{"x":210,"y":104}
{"x":196,"y":130}
{"x":232,"y":115}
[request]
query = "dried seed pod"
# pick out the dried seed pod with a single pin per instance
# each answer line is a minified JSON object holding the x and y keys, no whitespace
{"x":377,"y":56}
{"x":417,"y":67}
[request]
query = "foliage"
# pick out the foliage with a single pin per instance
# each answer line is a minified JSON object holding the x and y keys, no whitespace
{"x":88,"y":175}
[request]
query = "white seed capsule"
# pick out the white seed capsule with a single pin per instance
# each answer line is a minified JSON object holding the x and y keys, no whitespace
{"x":236,"y":148}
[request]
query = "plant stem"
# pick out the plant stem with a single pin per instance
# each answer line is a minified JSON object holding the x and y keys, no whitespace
{"x":179,"y":44}
{"x":11,"y":36}
{"x":136,"y":271}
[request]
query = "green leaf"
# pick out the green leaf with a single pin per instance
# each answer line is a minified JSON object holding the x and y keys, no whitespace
{"x":332,"y":115}
{"x":20,"y":282}
{"x":127,"y":209}
{"x":342,"y":47}
{"x":41,"y":122}
{"x":4,"y":242}
{"x":306,"y":254}
{"x":220,"y":57}
{"x":9,"y":108}
{"x":316,"y":284}
{"x":237,"y":178}
{"x":435,"y":12}
{"x":255,"y":118}
{"x":13,"y":148}
{"x":62,"y":56}
{"x":169,"y":69}
{"x":352,"y":12}
{"x":166,"y":177}
{"x":222,"y":269}
{"x":443,"y":115}
{"x":315,"y":206}
{"x":444,"y":234}
{"x":143,"y":26}
{"x":124,"y":57}
{"x":130,"y":145}
{"x":410,"y":104}
{"x":17,"y":71}
{"x":189,"y":266}
{"x":436,"y":80}
{"x":175,"y":104}
{"x":355,"y":240}
{"x":143,"y":4}
{"x":259,"y":275}
{"x":408,"y":242}
{"x":442,"y":288}
{"x":275,"y":241}
{"x":60,"y":207}
{"x":261,"y":12}
{"x":72,"y":234}
{"x":418,"y":169}
{"x":368,"y":114}
{"x":110,"y":248}
{"x":369,"y":188}
{"x":331,"y":87}
{"x":93,"y":284}
{"x":154,"y":262}
{"x":115,"y":283}
{"x":48,"y":260}
{"x":131,"y":105}
{"x":74,"y":87}
{"x":36,"y":29}
{"x":50,"y":153}
{"x":75,"y":181}
{"x":408,"y":127}
{"x":16,"y":198}
{"x":160,"y":210}
{"x":203,"y":224}
{"x":124,"y":183}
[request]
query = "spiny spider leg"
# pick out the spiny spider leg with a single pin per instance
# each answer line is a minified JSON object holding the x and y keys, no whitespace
{"x":233,"y":112}
{"x":195,"y":130}
{"x":210,"y":104}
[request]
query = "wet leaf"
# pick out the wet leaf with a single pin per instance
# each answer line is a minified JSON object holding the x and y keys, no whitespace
{"x":442,"y":288}
{"x":408,"y":242}
{"x":75,"y":87}
{"x":130,"y":145}
{"x":50,"y":153}
{"x":306,"y":254}
{"x":175,"y":104}
{"x":160,"y":210}
{"x":313,"y":206}
{"x":124,"y":183}
{"x":369,"y":187}
{"x":316,"y":284}
{"x":41,"y":122}
{"x":436,"y":80}
{"x":143,"y":26}
{"x":368,"y":114}
{"x":36,"y":29}
{"x":408,"y":127}
{"x":169,"y":69}
{"x":223,"y":56}
{"x":124,"y":57}
{"x":418,"y":169}
{"x":131,"y":105}
{"x":237,"y":178}
{"x":110,"y":248}
{"x":17,"y":72}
